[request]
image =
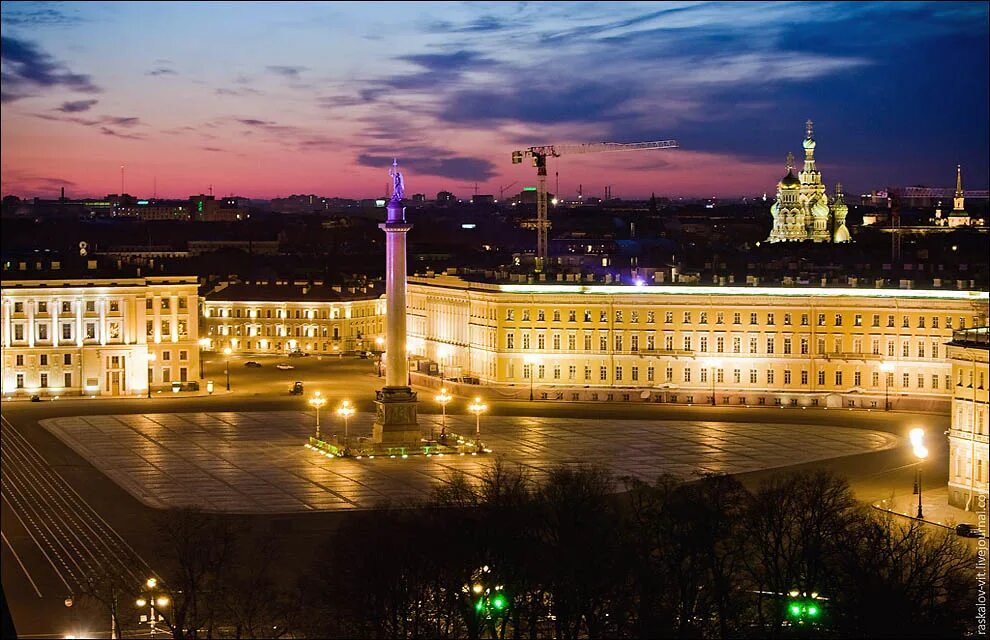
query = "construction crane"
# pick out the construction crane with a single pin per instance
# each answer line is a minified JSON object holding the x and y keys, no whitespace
{"x":541,"y":153}
{"x":502,"y":190}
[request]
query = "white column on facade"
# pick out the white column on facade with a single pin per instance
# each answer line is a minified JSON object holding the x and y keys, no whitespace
{"x":79,"y":322}
{"x":6,"y":323}
{"x":31,"y":328}
{"x":103,"y":321}
{"x":55,"y":327}
{"x":174,"y":305}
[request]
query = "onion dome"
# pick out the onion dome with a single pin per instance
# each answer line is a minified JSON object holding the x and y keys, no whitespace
{"x":789,"y":181}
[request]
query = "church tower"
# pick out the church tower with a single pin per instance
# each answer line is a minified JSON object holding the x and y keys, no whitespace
{"x":787,"y":212}
{"x":839,"y":212}
{"x":813,"y":196}
{"x":958,"y":217}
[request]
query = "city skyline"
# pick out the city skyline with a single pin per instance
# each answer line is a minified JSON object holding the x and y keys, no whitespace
{"x":260,"y":101}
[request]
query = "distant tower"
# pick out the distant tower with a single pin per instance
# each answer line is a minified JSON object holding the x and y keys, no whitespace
{"x":813,"y":195}
{"x":839,"y":211}
{"x":958,"y":216}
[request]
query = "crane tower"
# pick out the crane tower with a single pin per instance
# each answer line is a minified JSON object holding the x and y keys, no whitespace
{"x":540,"y":154}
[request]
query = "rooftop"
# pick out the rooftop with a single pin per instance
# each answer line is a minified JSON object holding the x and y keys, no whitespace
{"x":295,"y":291}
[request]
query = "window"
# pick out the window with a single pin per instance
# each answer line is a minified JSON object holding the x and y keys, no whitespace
{"x":166,"y":355}
{"x":602,"y":343}
{"x":875,"y":347}
{"x":890,"y":348}
{"x":736,"y":318}
{"x":934,"y":322}
{"x":603,"y":373}
{"x":182,"y":302}
{"x":66,"y":358}
{"x":525,"y":315}
{"x":668,"y":343}
{"x":618,"y":316}
{"x":921,"y":322}
{"x":66,"y":331}
{"x":752,"y":319}
{"x":720,"y":344}
{"x":587,"y":374}
{"x":527,"y":371}
{"x":42,"y":332}
{"x":43,"y":360}
{"x":634,"y":316}
{"x":787,"y":346}
{"x":736,"y":376}
{"x":587,"y":315}
{"x":921,"y":381}
{"x":821,"y":346}
{"x":687,"y":375}
{"x":114,"y":305}
{"x":736,"y":344}
{"x":649,"y":374}
{"x":703,"y":343}
{"x":587,"y":342}
{"x":804,"y":376}
{"x":510,"y":341}
{"x":770,"y":342}
{"x":838,"y":319}
{"x":921,"y":349}
{"x":752,"y":376}
{"x":618,"y":374}
{"x":935,"y":381}
{"x":167,"y":328}
{"x":602,"y":316}
{"x":905,"y":349}
{"x":821,"y":319}
{"x":905,"y":322}
{"x":572,"y":316}
{"x":19,"y":360}
{"x":906,"y":380}
{"x":769,"y":376}
{"x":66,"y":306}
{"x":90,"y":330}
{"x":150,"y":327}
{"x":787,"y":376}
{"x":164,"y":304}
{"x":183,"y":355}
{"x":67,"y":380}
{"x":18,"y":307}
{"x":20,"y":380}
{"x":858,"y":320}
{"x":704,"y":317}
{"x":650,"y":319}
{"x":42,"y":306}
{"x":166,"y":375}
{"x":857,"y":346}
{"x":651,"y":342}
{"x":687,"y":317}
{"x":618,"y":342}
{"x":804,"y":346}
{"x":948,"y":322}
{"x":634,"y":343}
{"x":687,"y":343}
{"x":669,"y":374}
{"x":787,"y":318}
{"x":934,"y":349}
{"x":876,"y":319}
{"x":875,"y":379}
{"x":719,"y":318}
{"x":556,"y":342}
{"x":704,"y":375}
{"x":890,"y":321}
{"x":668,"y":317}
{"x":838,"y":378}
{"x":541,"y":371}
{"x":44,"y":380}
{"x":556,"y":372}
{"x":510,"y":315}
{"x":540,"y":316}
{"x":857,"y":378}
{"x":752,"y":344}
{"x":770,"y":318}
{"x":571,"y":372}
{"x":821,"y":378}
{"x":148,"y":305}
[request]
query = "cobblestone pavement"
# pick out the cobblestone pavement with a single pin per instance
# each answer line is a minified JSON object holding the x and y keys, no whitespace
{"x":255,"y":462}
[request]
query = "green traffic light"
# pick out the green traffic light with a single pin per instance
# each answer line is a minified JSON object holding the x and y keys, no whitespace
{"x":795,"y":610}
{"x":812,"y":611}
{"x":498,"y":601}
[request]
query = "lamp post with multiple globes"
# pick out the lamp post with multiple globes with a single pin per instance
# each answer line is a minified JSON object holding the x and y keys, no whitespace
{"x":477,"y":408}
{"x":345,"y":410}
{"x":151,"y":597}
{"x":530,"y":360}
{"x":204,"y":343}
{"x":712,"y":363}
{"x":888,"y":369}
{"x":151,"y":371}
{"x":316,"y":402}
{"x":443,"y":398}
{"x":226,"y":365}
{"x":920,"y":452}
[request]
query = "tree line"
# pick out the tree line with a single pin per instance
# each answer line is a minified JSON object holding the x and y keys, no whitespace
{"x":579,"y":553}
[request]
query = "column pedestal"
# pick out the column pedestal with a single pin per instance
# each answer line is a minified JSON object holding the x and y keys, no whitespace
{"x":395,"y":417}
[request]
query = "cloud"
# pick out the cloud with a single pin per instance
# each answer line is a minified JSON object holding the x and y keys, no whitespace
{"x":243,"y":91}
{"x":218,"y":149}
{"x":286,"y":70}
{"x":77,"y":106}
{"x":456,"y":167}
{"x":581,"y":101}
{"x":107,"y":131}
{"x":484,"y":24}
{"x":161,"y":71}
{"x":23,"y":14}
{"x":254,"y":122}
{"x":454,"y":61}
{"x":26,"y":68}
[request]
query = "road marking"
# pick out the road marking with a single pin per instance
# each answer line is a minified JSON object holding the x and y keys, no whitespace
{"x":23,"y":568}
{"x":43,"y":552}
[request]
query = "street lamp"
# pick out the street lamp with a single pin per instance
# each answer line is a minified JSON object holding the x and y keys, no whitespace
{"x":888,"y":369}
{"x":380,"y":342}
{"x":152,"y":598}
{"x":921,"y":452}
{"x":477,"y":408}
{"x":443,"y":398}
{"x":345,"y":410}
{"x":226,"y":366}
{"x":531,"y":361}
{"x":317,"y":401}
{"x":204,"y":343}
{"x":151,"y":372}
{"x":712,"y":363}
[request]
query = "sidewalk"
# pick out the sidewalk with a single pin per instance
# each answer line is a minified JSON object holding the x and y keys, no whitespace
{"x":934,"y":505}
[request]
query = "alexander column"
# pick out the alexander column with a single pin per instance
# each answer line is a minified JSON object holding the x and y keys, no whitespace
{"x":395,"y":419}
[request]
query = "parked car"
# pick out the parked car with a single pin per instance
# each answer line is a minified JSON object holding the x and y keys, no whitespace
{"x":967,"y":530}
{"x":298,"y":354}
{"x":36,"y":398}
{"x":252,"y":364}
{"x":283,"y":366}
{"x":296,"y":389}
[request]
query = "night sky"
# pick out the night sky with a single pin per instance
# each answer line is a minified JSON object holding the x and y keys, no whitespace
{"x":269,"y":99}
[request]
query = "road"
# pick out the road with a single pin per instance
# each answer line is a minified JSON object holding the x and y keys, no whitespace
{"x":61,"y":516}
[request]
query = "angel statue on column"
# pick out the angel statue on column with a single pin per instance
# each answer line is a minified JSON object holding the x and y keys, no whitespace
{"x":398,"y":188}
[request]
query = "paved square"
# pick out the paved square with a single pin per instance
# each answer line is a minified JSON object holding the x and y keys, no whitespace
{"x":256,"y":463}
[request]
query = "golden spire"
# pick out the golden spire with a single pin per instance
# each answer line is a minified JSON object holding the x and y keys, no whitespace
{"x":808,"y":129}
{"x":959,"y":190}
{"x":790,"y":162}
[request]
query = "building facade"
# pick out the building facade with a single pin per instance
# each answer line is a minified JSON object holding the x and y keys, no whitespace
{"x":969,"y":471}
{"x":282,"y":318}
{"x":98,"y":336}
{"x":789,"y":346}
{"x":801,"y":210}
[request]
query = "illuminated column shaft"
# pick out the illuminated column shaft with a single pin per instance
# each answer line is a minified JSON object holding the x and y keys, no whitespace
{"x":396,"y":359}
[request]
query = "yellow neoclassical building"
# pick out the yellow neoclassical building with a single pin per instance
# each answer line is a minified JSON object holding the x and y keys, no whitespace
{"x":283,"y":317}
{"x":790,"y":346}
{"x":969,"y":471}
{"x":98,"y":335}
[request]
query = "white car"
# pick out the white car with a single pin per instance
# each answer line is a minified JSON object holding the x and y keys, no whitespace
{"x":284,"y":367}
